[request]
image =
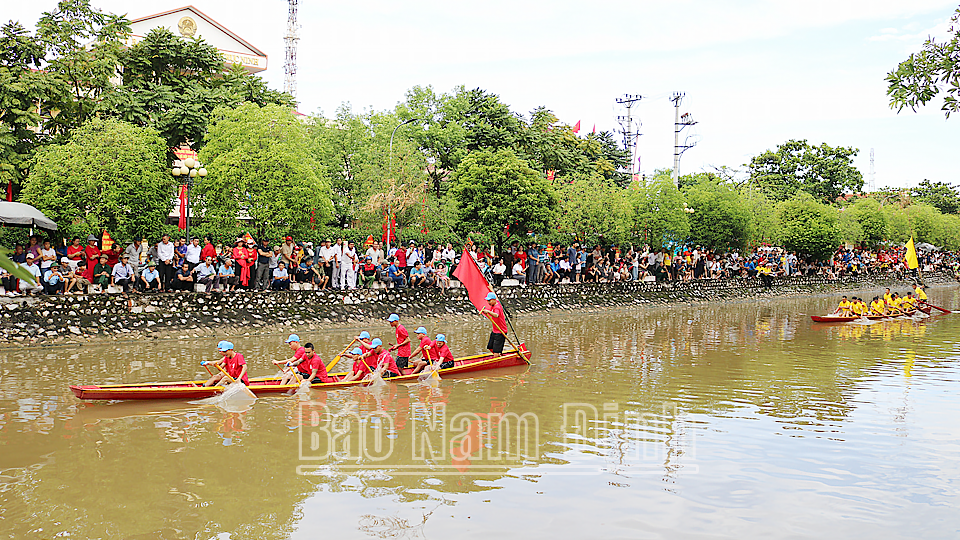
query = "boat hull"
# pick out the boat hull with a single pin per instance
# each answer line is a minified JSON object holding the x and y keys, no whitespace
{"x":190,"y":390}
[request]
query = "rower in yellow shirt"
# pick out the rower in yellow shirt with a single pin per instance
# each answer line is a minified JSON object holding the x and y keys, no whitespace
{"x":887,"y":297}
{"x":843,"y":308}
{"x":896,"y":304}
{"x":858,"y":307}
{"x":909,"y":302}
{"x":921,"y":295}
{"x":877,"y":307}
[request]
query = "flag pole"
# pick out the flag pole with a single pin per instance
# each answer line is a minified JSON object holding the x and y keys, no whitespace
{"x":466,"y":255}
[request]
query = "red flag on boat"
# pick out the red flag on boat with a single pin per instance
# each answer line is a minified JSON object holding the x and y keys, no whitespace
{"x":472,"y":278}
{"x":182,"y":224}
{"x":576,"y":128}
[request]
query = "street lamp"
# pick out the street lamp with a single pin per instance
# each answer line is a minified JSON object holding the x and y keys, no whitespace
{"x":190,"y":169}
{"x":405,"y":122}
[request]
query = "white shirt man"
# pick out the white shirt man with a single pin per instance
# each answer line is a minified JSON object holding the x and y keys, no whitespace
{"x":374,"y":253}
{"x":337,"y":250}
{"x":448,"y":254}
{"x":499,"y":268}
{"x":413,"y":256}
{"x":165,"y":250}
{"x":348,"y":268}
{"x":193,"y":252}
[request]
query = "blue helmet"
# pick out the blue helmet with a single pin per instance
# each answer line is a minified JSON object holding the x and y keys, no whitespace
{"x":393,"y":317}
{"x":364,"y":335}
{"x":376,"y":342}
{"x":293,"y":337}
{"x":441,"y":337}
{"x":356,"y":350}
{"x":491,"y":296}
{"x":421,"y":330}
{"x":224,"y":346}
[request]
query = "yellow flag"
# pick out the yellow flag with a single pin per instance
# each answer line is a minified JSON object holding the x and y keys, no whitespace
{"x":911,"y":255}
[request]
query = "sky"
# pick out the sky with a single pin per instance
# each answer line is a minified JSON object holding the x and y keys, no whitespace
{"x":754,"y":73}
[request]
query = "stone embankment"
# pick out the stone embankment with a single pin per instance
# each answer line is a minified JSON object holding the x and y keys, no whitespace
{"x":49,"y":320}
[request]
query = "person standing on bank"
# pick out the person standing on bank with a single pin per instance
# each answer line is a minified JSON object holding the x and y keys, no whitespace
{"x":499,"y":321}
{"x":402,"y":346}
{"x":263,"y":265}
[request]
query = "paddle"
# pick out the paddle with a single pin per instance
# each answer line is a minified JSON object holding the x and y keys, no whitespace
{"x":337,"y":357}
{"x":247,"y":391}
{"x":504,"y":330}
{"x":939,"y":308}
{"x":434,"y":370}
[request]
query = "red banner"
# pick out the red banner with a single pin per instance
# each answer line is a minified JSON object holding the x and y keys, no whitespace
{"x":576,"y":128}
{"x":472,"y":278}
{"x":183,"y":208}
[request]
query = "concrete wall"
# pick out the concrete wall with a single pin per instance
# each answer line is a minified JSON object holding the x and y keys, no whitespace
{"x":65,"y":319}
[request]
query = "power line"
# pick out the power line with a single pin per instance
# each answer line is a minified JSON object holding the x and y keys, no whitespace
{"x":680,"y":122}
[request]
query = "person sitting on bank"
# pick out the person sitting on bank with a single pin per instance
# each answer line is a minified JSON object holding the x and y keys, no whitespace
{"x":368,"y":273}
{"x":397,"y":276}
{"x":184,"y":279}
{"x":54,"y":280}
{"x":417,"y":278}
{"x":150,"y":278}
{"x":122,"y":275}
{"x":232,"y":362}
{"x":206,"y":273}
{"x":226,"y":276}
{"x":75,"y":278}
{"x":102,"y":274}
{"x":281,"y":278}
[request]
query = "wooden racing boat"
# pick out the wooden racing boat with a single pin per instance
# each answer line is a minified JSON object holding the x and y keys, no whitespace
{"x":832,"y":318}
{"x":271,"y":385}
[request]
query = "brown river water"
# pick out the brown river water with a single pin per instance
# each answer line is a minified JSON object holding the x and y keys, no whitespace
{"x":743,"y":420}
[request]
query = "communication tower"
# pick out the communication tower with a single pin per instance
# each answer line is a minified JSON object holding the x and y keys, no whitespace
{"x":290,"y":39}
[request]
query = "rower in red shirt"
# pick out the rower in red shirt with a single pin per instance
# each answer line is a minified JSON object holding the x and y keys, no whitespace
{"x":441,"y":351}
{"x":364,"y":341}
{"x":310,"y":366}
{"x":360,"y":368}
{"x":383,"y":360}
{"x":233,"y":363}
{"x":423,"y":349}
{"x":402,"y":345}
{"x":499,"y":321}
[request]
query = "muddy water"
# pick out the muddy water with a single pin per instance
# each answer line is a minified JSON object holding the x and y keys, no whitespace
{"x":743,"y":420}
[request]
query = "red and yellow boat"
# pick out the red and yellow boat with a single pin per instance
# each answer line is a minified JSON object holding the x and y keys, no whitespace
{"x":833,"y":318}
{"x":271,"y":385}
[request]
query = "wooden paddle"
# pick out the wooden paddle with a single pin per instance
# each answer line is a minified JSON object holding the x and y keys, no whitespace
{"x":375,"y":379}
{"x":505,"y":336}
{"x":232,"y":380}
{"x":434,"y":370}
{"x":337,"y":357}
{"x":939,"y":308}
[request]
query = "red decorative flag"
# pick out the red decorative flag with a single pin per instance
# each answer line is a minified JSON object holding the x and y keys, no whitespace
{"x":106,"y":243}
{"x":472,"y":278}
{"x":594,"y":129}
{"x":368,"y":242}
{"x":576,"y":128}
{"x":550,"y":175}
{"x":182,"y":224}
{"x":10,"y":191}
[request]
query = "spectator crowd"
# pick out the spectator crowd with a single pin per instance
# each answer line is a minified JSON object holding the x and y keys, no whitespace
{"x":179,"y":265}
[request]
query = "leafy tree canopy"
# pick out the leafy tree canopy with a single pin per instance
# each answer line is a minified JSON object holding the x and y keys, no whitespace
{"x":659,"y":211}
{"x":261,"y":165}
{"x":594,"y":210}
{"x":941,"y":195}
{"x":499,"y":194}
{"x":128,"y":194}
{"x":173,"y":84}
{"x":808,"y":227}
{"x":719,"y":219}
{"x":922,"y":76}
{"x":824,"y":171}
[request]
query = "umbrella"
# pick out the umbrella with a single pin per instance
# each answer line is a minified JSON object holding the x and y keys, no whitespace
{"x":927,"y":247}
{"x":23,"y":215}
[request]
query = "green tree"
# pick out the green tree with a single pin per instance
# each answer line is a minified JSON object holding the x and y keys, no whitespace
{"x":808,"y":227}
{"x":84,"y":45}
{"x":823,"y":171}
{"x":923,"y":75}
{"x":23,"y":86}
{"x":498,"y":193}
{"x":870,"y":220}
{"x":763,"y":215}
{"x":659,"y":211}
{"x":720,"y":220}
{"x":173,"y":84}
{"x":84,"y":192}
{"x":594,"y":209}
{"x":942,"y":195}
{"x":261,"y":164}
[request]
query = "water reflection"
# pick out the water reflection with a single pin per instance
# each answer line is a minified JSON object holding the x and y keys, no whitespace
{"x":688,"y":409}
